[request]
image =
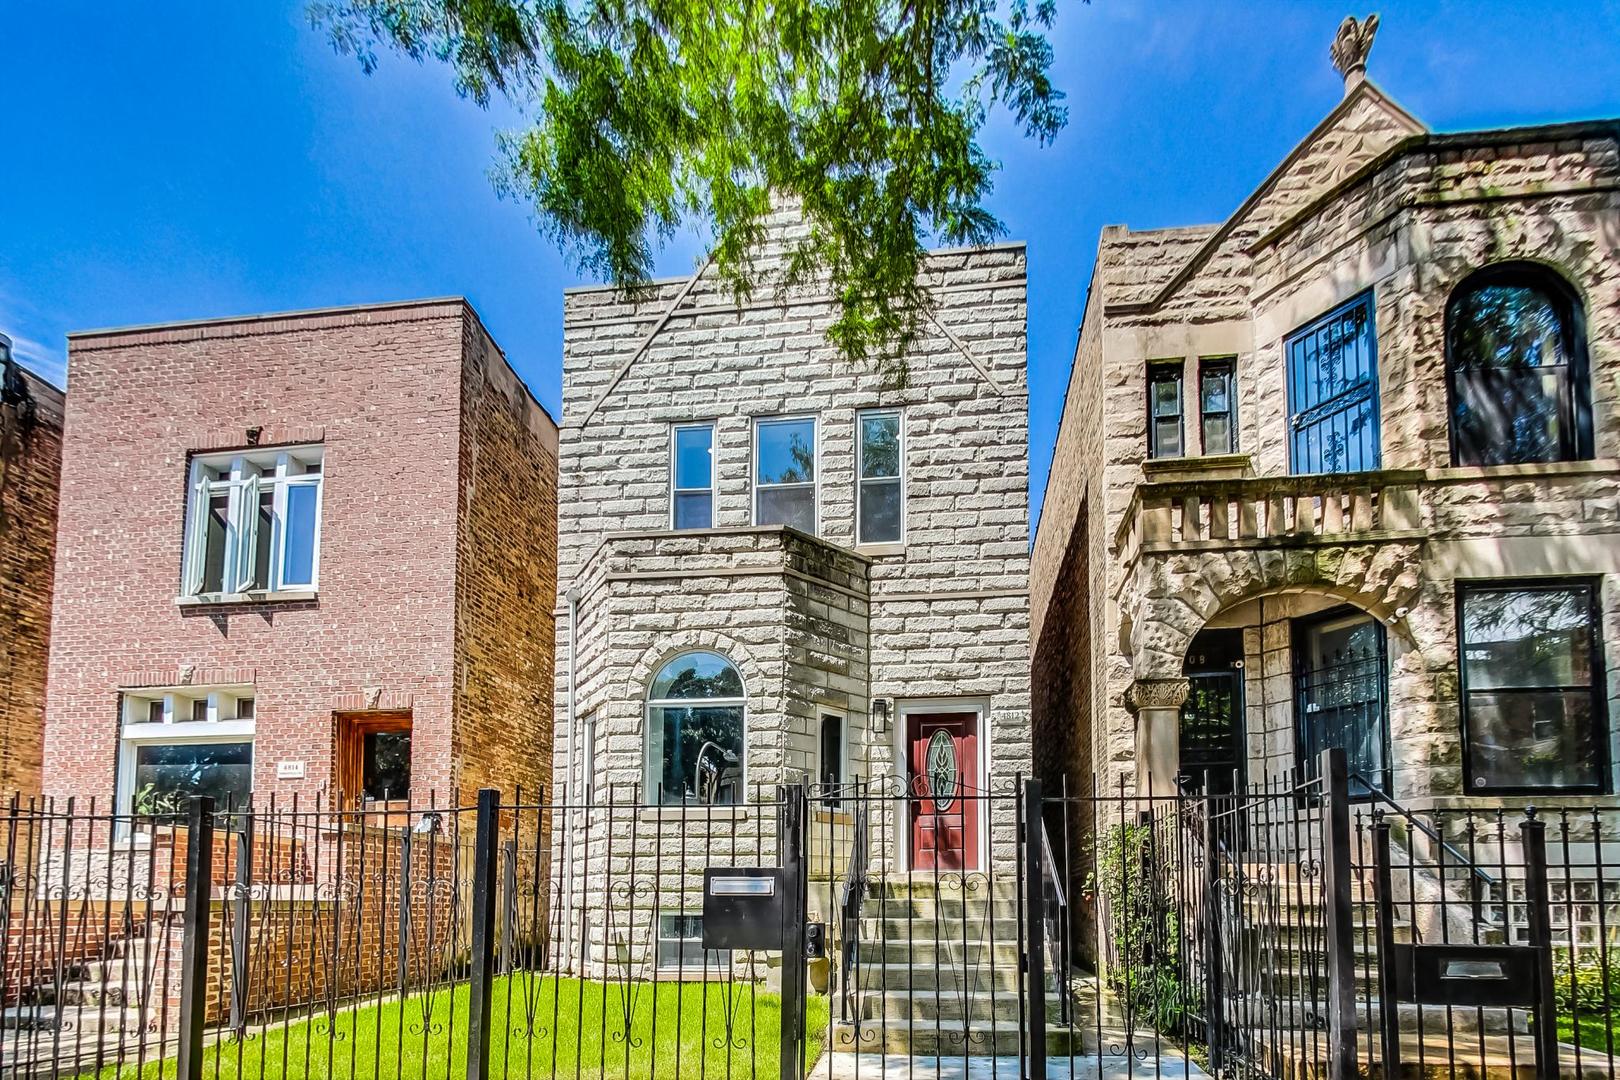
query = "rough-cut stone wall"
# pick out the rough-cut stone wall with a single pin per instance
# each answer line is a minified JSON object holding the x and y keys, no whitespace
{"x":1366,"y":204}
{"x":506,"y":578}
{"x":30,"y":469}
{"x":381,"y":388}
{"x":955,"y":591}
{"x":814,"y":624}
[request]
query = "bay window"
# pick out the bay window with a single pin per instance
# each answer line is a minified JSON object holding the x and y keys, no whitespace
{"x":253,"y":522}
{"x":1533,"y":709}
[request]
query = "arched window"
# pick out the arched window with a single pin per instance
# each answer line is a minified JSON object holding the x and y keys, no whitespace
{"x":1516,"y":363}
{"x":695,"y":731}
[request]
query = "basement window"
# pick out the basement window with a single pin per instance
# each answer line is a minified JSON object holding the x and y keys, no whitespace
{"x":253,"y":522}
{"x":680,"y":945}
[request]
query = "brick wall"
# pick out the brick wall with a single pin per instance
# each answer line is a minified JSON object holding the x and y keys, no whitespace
{"x":30,"y":468}
{"x":506,"y":579}
{"x":384,"y":390}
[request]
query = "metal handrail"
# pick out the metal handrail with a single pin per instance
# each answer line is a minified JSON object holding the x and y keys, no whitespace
{"x":1055,"y":902}
{"x":1480,"y":875}
{"x":854,"y":897}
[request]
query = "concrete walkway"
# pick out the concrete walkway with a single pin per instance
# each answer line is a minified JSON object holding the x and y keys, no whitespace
{"x":905,"y":1067}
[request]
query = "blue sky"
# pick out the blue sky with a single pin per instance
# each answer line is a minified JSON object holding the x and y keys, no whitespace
{"x":189,"y":158}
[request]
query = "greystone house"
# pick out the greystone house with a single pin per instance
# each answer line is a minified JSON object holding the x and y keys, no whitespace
{"x":775,"y":567}
{"x":1344,"y":471}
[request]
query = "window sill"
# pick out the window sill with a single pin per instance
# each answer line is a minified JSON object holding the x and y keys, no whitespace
{"x":693,"y":815}
{"x":1589,"y":467}
{"x":256,"y":596}
{"x":880,"y":551}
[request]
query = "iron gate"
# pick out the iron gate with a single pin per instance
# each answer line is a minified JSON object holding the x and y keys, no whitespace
{"x":1274,"y":931}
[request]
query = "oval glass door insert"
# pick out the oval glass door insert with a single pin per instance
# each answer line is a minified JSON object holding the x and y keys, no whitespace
{"x":942,"y":771}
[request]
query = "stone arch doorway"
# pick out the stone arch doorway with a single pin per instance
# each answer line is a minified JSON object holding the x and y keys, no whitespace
{"x":1268,"y":681}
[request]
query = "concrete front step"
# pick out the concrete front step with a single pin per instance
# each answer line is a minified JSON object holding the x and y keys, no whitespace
{"x":86,"y":1022}
{"x":982,"y":978}
{"x":96,"y":994}
{"x":948,"y":1006}
{"x":1273,"y":1012}
{"x":975,"y":952}
{"x":973,"y":1039}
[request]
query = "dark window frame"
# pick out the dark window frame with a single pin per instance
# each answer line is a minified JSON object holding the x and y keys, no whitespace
{"x":1599,"y":686}
{"x":1167,"y":371}
{"x":1226,"y":365}
{"x":1301,"y":416}
{"x":1575,"y":408}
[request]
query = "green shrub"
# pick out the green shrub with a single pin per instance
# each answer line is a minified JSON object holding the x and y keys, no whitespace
{"x":1133,"y":876}
{"x":1586,"y":984}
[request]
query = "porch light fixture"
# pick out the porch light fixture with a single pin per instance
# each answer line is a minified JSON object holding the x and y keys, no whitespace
{"x":880,"y":716}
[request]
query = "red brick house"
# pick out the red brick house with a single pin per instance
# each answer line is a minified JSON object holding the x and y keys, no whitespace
{"x":303,"y":554}
{"x":30,"y":460}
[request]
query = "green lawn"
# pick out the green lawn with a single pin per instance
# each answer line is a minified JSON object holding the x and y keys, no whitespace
{"x":1594,"y":1033}
{"x":390,"y":1041}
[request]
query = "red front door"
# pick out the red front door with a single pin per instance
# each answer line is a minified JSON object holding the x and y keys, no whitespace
{"x":943,"y":761}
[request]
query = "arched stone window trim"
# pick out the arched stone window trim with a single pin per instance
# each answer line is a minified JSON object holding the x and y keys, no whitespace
{"x":695,"y":730}
{"x":1487,"y":400}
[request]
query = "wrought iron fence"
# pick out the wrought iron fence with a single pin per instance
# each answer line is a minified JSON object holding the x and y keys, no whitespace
{"x":1280,"y":930}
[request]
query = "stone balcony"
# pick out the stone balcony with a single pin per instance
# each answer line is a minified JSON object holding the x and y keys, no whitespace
{"x":1191,"y":515}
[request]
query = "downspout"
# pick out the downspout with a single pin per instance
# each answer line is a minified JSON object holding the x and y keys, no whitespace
{"x":572,"y":596}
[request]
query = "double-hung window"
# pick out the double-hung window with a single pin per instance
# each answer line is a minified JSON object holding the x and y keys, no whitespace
{"x":1164,"y":410}
{"x":785,"y":473}
{"x":253,"y":522}
{"x":691,"y":450}
{"x":1532,"y":686}
{"x":880,"y":506}
{"x":1217,"y":406}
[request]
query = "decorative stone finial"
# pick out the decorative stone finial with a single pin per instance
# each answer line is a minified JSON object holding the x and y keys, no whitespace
{"x":1350,"y":48}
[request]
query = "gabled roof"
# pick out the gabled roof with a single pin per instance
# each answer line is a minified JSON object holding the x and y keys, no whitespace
{"x":1365,"y":124}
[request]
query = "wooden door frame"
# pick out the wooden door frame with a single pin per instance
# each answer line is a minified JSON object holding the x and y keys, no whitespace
{"x":349,"y":731}
{"x":901,"y":747}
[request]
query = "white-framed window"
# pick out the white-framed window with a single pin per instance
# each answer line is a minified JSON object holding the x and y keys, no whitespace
{"x":680,"y":944}
{"x":180,"y":742}
{"x":696,"y":731}
{"x":832,"y":771}
{"x":691,"y":476}
{"x":880,"y":477}
{"x":253,"y":522}
{"x":785,"y":472}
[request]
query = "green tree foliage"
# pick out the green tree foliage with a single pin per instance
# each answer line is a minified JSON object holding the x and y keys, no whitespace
{"x":644,"y":114}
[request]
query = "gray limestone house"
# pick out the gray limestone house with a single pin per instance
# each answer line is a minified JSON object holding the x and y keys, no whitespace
{"x":774,"y":568}
{"x":1344,"y":470}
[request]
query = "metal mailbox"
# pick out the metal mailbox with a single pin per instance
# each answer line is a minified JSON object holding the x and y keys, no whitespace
{"x":743,"y":907}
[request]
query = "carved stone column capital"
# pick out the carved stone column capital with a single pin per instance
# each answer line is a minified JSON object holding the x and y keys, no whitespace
{"x":1157,"y":693}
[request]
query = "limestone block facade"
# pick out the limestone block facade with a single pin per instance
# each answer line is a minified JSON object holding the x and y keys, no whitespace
{"x":1345,"y":470}
{"x":30,"y":471}
{"x":375,"y":637}
{"x":836,"y":639}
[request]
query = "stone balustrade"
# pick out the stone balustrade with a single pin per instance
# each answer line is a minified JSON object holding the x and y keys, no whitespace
{"x":1270,"y":511}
